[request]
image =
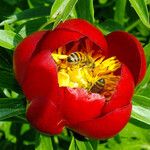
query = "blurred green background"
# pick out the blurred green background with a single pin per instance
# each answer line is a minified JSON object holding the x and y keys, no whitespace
{"x":19,"y":18}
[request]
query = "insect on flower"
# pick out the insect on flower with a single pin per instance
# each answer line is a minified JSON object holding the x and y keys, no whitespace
{"x":79,"y":58}
{"x":98,"y":86}
{"x":76,"y":77}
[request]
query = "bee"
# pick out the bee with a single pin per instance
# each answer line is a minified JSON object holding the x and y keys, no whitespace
{"x":98,"y":86}
{"x":78,"y":58}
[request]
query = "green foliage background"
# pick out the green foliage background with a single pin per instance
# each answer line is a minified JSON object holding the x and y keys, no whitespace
{"x":19,"y":18}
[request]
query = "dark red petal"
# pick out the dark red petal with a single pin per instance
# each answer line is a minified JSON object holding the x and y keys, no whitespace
{"x":57,"y":38}
{"x":42,"y":113}
{"x":85,"y":28}
{"x":24,"y":52}
{"x":106,"y":126}
{"x":123,"y":93}
{"x":129,"y":51}
{"x":78,"y":105}
{"x":41,"y":77}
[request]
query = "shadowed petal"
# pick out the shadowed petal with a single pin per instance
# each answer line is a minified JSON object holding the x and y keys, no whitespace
{"x":85,"y":28}
{"x":57,"y":38}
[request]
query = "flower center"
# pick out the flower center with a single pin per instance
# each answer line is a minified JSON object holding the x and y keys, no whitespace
{"x":83,"y":70}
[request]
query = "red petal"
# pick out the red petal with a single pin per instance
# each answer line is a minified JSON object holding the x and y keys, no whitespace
{"x":129,"y":51}
{"x":57,"y":38}
{"x":124,"y":92}
{"x":24,"y":52}
{"x":106,"y":126}
{"x":41,"y":77}
{"x":85,"y":28}
{"x":44,"y":116}
{"x":77,"y":105}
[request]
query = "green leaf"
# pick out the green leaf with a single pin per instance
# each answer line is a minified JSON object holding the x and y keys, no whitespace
{"x":142,"y":100}
{"x":58,"y":8}
{"x":87,"y":6}
{"x":8,"y":27}
{"x":45,"y":143}
{"x":12,"y":2}
{"x":61,"y":10}
{"x":11,"y":107}
{"x":147,"y":1}
{"x":19,"y":118}
{"x":38,"y":3}
{"x":31,"y":26}
{"x":141,"y":10}
{"x":5,"y":60}
{"x":8,"y":81}
{"x":73,"y":144}
{"x":143,"y":85}
{"x":9,"y":39}
{"x":109,"y":26}
{"x":94,"y":143}
{"x":119,"y":16}
{"x":131,"y":138}
{"x":142,"y":114}
{"x":27,"y":14}
{"x":133,"y":25}
{"x":147,"y":52}
{"x":84,"y":145}
{"x":143,"y":30}
{"x":139,"y":123}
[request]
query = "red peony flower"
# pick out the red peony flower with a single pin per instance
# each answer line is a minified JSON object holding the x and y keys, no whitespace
{"x":75,"y":77}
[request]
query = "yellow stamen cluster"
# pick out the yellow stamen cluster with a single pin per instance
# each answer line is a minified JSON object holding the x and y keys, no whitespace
{"x":86,"y":75}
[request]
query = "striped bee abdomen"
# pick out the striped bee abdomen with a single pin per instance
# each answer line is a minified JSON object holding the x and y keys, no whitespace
{"x":77,"y":57}
{"x":98,"y":86}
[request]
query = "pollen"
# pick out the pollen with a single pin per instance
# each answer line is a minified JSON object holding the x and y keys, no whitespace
{"x":81,"y":69}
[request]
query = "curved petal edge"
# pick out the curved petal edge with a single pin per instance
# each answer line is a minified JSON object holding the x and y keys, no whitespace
{"x":129,"y":51}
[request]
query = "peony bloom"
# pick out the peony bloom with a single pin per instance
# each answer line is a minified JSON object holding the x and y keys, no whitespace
{"x":75,"y":77}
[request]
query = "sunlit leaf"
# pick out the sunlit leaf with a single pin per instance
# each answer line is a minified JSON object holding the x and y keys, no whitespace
{"x":142,"y":100}
{"x":61,"y":10}
{"x":142,"y":114}
{"x":9,"y":39}
{"x":72,"y":144}
{"x":142,"y":11}
{"x":45,"y":143}
{"x":83,"y":145}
